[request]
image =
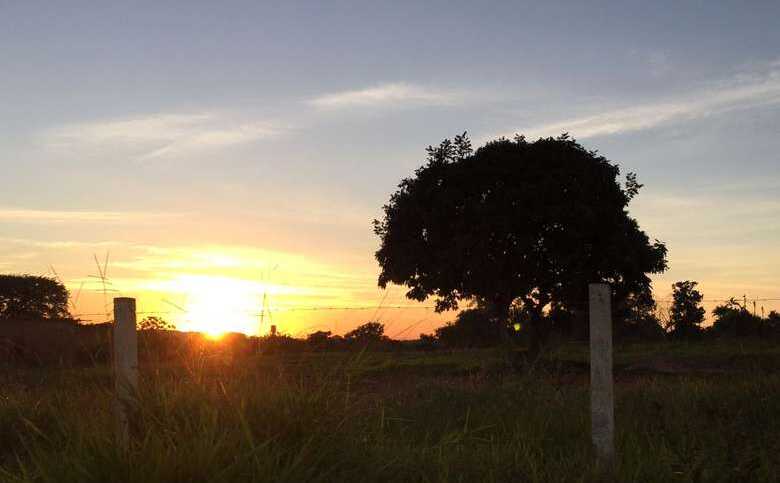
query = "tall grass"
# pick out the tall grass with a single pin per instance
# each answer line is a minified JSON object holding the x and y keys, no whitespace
{"x":365,"y":417}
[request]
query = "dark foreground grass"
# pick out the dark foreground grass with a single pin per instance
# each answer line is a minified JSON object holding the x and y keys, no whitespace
{"x":377,"y":417}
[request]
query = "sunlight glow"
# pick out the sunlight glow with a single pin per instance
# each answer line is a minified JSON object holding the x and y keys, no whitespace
{"x":218,"y":305}
{"x":214,"y":290}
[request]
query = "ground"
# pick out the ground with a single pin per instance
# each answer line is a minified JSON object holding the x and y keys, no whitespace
{"x":704,"y":411}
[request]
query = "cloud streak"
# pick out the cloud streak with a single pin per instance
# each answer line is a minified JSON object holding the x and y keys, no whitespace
{"x":388,"y":95}
{"x":59,"y":216}
{"x":162,"y":135}
{"x":747,"y":91}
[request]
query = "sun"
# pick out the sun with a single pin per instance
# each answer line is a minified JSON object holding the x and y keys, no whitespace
{"x":218,"y":305}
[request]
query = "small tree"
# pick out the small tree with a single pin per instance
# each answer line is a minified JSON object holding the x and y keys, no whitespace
{"x":24,"y":297}
{"x":155,"y":323}
{"x":367,"y":333}
{"x":686,"y":313}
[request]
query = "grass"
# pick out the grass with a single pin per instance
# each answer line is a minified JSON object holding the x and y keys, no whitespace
{"x":398,"y":417}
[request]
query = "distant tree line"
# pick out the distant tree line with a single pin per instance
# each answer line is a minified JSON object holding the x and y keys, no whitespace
{"x":635,"y":319}
{"x":731,"y":318}
{"x":35,"y":302}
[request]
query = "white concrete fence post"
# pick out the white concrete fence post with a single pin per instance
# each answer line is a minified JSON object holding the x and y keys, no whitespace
{"x":602,"y":404}
{"x":125,"y":367}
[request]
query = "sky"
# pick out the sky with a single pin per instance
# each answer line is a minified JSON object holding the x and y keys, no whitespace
{"x":220,"y":152}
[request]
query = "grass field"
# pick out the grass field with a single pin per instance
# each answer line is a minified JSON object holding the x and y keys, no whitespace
{"x":704,"y":411}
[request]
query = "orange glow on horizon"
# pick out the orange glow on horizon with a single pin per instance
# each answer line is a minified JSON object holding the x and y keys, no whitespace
{"x":215,"y":290}
{"x":215,"y":305}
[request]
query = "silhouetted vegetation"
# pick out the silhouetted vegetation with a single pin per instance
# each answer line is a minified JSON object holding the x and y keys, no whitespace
{"x":686,"y":314}
{"x":368,"y":333}
{"x":734,"y":319}
{"x":635,"y":318}
{"x":153,"y":322}
{"x":321,"y":340}
{"x":516,"y":222}
{"x":472,"y":328}
{"x":32,"y":297}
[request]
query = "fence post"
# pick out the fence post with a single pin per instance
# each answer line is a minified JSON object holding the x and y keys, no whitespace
{"x":125,"y":367}
{"x":602,"y":405}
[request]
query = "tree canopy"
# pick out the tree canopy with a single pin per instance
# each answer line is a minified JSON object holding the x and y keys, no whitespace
{"x":25,"y":297}
{"x":530,"y":223}
{"x":154,"y":322}
{"x":368,"y":332}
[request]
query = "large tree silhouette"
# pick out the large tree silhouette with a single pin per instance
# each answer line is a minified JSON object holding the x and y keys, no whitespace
{"x":530,"y":223}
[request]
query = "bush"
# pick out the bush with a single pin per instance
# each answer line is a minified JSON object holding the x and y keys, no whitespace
{"x":734,"y":319}
{"x":370,"y":333}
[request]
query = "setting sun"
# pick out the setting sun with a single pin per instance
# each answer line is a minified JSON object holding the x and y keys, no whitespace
{"x":217,"y":305}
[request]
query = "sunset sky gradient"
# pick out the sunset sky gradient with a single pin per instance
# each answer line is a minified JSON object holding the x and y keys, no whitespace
{"x":222,"y":150}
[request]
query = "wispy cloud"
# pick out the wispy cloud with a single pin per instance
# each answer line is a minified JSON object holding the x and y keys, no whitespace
{"x":745,"y":91}
{"x":62,"y":244}
{"x":59,"y":216}
{"x":162,"y":135}
{"x":391,"y":94}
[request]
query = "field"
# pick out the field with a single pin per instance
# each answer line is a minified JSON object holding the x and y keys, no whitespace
{"x":705,"y":411}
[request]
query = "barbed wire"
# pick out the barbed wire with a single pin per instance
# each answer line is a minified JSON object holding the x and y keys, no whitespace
{"x":289,"y":309}
{"x":377,"y":309}
{"x":726,"y":300}
{"x":105,"y":287}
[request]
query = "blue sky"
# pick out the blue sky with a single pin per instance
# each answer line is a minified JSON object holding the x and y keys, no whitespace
{"x":168,"y":129}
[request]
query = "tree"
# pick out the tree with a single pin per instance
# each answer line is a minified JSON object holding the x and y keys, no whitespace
{"x":32,"y":297}
{"x":155,"y":323}
{"x":530,"y":223}
{"x":686,"y":313}
{"x":366,"y":333}
{"x":636,"y":318}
